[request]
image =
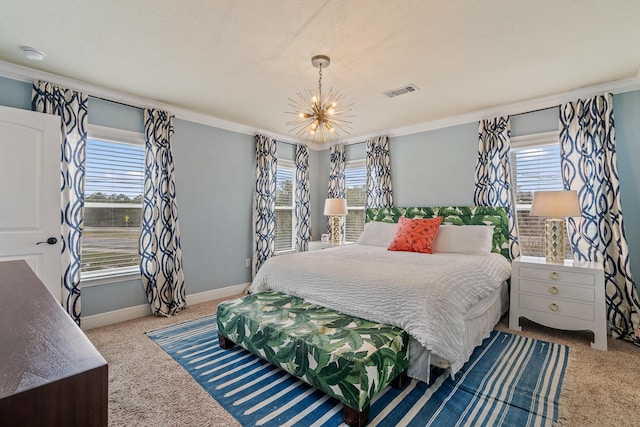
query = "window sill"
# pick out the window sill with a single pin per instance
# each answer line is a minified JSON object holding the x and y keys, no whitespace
{"x":290,"y":251}
{"x":104,"y":278}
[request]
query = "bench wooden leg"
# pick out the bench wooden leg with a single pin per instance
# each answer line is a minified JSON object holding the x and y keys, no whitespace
{"x":354,"y":418}
{"x":400,"y":381}
{"x":225,"y":343}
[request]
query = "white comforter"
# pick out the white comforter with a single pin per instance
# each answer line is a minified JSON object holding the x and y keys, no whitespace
{"x":426,"y":295}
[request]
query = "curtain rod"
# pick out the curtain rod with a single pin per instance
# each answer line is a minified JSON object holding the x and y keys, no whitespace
{"x":125,"y":104}
{"x":116,"y":102}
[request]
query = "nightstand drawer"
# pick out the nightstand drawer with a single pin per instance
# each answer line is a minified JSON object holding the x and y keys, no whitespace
{"x":557,"y":276}
{"x":558,"y":290}
{"x":557,"y":307}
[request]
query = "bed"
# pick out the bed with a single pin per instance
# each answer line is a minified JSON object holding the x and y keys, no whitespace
{"x":448,"y":301}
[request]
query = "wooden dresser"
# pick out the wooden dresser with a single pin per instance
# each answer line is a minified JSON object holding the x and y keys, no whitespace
{"x":50,"y":373}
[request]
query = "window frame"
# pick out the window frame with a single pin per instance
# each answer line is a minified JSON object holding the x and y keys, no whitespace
{"x":358,"y":163}
{"x":290,"y":164}
{"x":114,"y":275}
{"x":532,"y":141}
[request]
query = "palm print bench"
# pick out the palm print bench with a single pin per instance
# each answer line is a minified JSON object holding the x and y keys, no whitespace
{"x":349,"y":358}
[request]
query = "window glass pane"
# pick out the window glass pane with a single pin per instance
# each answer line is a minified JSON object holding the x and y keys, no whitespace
{"x":284,"y":207}
{"x":114,"y":184}
{"x":535,"y":168}
{"x":356,"y":194}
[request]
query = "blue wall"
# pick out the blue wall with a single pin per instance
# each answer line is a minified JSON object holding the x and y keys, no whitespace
{"x":15,"y":94}
{"x":215,"y":176}
{"x":434,"y":168}
{"x":115,"y":115}
{"x":214,"y":172}
{"x":626,"y":110}
{"x":319,"y":183}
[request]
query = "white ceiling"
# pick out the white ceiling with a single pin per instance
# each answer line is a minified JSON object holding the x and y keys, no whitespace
{"x":240,"y":60}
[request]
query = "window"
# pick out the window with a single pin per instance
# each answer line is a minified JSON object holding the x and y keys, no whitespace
{"x":356,"y":194}
{"x":535,"y":166}
{"x":285,"y":198}
{"x":114,"y":185}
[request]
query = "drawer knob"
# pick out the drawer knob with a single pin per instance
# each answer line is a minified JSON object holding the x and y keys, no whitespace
{"x":553,"y":290}
{"x":554,"y":275}
{"x":553,"y":306}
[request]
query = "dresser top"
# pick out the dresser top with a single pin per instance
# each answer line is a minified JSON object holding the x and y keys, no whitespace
{"x":569,"y":263}
{"x":40,"y":343}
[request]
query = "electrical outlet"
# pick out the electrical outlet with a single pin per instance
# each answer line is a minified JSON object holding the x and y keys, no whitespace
{"x":247,"y":262}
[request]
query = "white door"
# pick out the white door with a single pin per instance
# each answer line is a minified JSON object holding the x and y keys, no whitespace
{"x":30,"y":192}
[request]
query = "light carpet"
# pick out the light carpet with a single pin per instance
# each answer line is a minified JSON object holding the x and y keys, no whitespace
{"x":509,"y":380}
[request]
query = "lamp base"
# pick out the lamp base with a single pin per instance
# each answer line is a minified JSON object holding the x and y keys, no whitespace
{"x":554,"y":240}
{"x":336,"y":234}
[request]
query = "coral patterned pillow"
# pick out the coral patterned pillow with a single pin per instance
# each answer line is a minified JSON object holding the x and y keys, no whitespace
{"x":415,"y":235}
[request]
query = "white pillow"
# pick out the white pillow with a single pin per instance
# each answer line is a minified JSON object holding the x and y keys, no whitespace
{"x":378,"y":233}
{"x":464,"y":239}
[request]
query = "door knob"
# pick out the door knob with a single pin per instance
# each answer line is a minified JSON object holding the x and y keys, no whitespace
{"x":50,"y":241}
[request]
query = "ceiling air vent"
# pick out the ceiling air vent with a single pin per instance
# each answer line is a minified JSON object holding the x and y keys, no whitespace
{"x":401,"y":90}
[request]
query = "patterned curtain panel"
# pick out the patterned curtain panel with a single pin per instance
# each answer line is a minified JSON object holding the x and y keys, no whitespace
{"x":589,"y":166}
{"x":72,"y":108}
{"x":337,"y":179}
{"x":379,"y":194}
{"x":160,"y":252}
{"x":337,"y":182}
{"x":264,"y":202}
{"x":303,"y":220}
{"x":493,"y":173}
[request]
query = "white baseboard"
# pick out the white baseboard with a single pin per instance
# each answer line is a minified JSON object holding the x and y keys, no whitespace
{"x":138,"y":311}
{"x":115,"y":316}
{"x":216,"y":293}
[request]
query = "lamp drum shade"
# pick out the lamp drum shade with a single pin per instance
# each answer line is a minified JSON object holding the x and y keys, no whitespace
{"x":335,"y":207}
{"x":555,"y":204}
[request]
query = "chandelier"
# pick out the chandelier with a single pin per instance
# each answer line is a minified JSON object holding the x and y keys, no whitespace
{"x":318,"y":115}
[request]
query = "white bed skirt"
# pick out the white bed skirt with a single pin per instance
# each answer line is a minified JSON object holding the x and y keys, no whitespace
{"x":478,"y":324}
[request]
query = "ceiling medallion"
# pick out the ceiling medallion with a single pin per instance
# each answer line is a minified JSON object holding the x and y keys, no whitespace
{"x":319,"y":116}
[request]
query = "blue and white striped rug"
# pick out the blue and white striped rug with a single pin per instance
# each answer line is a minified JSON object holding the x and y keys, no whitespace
{"x":509,"y":380}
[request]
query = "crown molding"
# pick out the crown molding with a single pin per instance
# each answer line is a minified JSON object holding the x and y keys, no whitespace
{"x":534,"y":104}
{"x":26,"y":74}
{"x":22,"y":73}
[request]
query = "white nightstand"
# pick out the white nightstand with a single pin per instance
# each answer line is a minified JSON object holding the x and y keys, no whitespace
{"x":564,"y":296}
{"x":317,"y":245}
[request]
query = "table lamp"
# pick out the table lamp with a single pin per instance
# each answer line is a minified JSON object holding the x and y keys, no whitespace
{"x":558,"y":205}
{"x":334,"y":209}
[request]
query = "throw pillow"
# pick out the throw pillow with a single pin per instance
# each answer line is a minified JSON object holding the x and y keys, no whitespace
{"x":378,"y":233}
{"x":415,"y":235}
{"x":464,"y":239}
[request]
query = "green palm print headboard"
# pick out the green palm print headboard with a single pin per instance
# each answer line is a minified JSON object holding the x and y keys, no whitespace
{"x":456,"y":215}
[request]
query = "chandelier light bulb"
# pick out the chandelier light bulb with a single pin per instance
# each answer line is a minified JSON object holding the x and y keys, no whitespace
{"x":317,"y":117}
